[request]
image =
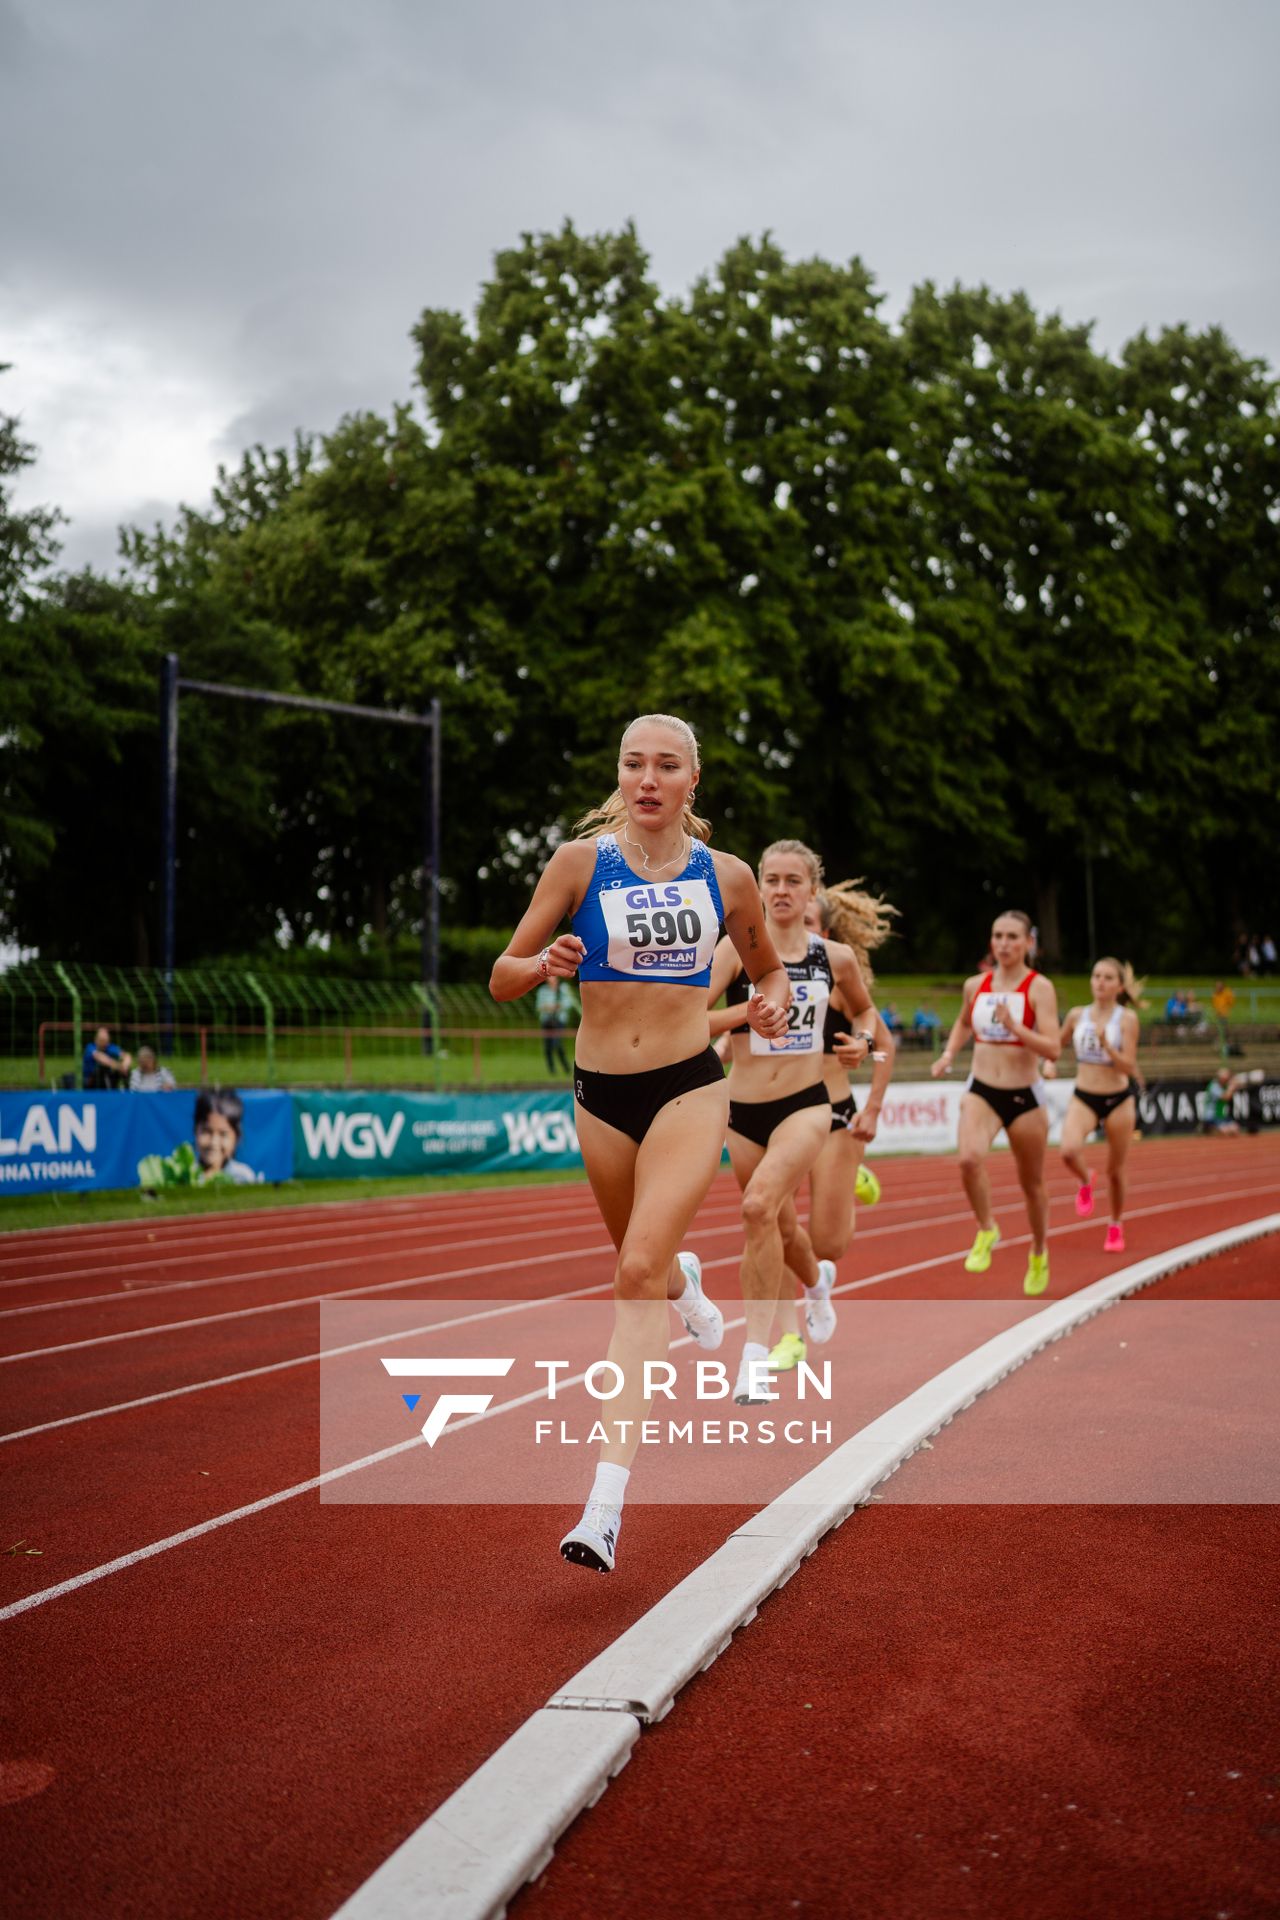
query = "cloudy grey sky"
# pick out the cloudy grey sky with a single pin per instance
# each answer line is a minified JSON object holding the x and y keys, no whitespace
{"x":220,"y":218}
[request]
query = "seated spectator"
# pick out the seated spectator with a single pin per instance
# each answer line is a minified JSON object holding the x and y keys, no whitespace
{"x":1217,"y":1109}
{"x":889,"y":1014}
{"x":1195,"y":1016}
{"x":1267,"y":951}
{"x":148,"y":1077}
{"x":106,"y":1069}
{"x":925,"y":1020}
{"x":1175,"y":1007}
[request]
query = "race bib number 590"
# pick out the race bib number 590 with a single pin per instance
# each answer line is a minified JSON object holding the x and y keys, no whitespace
{"x":664,"y":932}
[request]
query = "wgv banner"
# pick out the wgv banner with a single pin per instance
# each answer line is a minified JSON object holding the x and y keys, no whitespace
{"x":337,"y":1135}
{"x":70,"y":1142}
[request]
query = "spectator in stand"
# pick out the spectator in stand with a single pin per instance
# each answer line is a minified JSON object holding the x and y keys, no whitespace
{"x":1267,"y":949}
{"x":925,"y":1021}
{"x":555,"y":1006}
{"x":1217,"y":1109}
{"x":1224,"y":999}
{"x":1253,"y":953}
{"x":1176,"y":1008}
{"x":106,"y":1069}
{"x":1196,"y":1021}
{"x":149,"y":1077}
{"x":889,"y":1014}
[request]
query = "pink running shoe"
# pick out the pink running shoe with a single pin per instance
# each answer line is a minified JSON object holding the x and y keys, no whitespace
{"x":1084,"y":1199}
{"x":1114,"y":1242}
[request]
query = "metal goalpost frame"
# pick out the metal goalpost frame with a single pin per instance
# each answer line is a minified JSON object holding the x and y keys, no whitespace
{"x":172,"y":684}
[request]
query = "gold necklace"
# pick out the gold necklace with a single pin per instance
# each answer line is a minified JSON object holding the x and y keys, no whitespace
{"x":681,"y":859}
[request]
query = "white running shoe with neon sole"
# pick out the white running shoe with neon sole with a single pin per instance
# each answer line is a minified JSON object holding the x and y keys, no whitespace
{"x":594,"y":1541}
{"x":703,"y":1319}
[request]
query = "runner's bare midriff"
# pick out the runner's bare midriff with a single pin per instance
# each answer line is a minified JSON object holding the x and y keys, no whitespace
{"x":1091,"y":1078}
{"x":1005,"y":1066}
{"x":635,"y":1028}
{"x":759,"y":1076}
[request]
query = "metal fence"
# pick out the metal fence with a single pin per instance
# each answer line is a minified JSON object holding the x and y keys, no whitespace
{"x":280,"y":1029}
{"x":260,"y":1028}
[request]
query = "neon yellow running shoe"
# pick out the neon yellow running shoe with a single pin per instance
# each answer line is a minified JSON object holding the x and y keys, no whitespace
{"x":788,"y":1353}
{"x":984,"y":1244}
{"x":866,"y":1187}
{"x":1037,"y":1276}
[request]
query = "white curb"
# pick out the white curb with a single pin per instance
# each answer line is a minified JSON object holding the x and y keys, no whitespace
{"x":499,"y":1829}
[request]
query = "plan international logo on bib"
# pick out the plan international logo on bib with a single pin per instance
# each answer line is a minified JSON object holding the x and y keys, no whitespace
{"x":647,"y":959}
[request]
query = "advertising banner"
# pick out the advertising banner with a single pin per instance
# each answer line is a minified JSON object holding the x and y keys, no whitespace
{"x":72,"y":1142}
{"x":923,"y":1116}
{"x":363,"y":1134}
{"x":1178,"y":1106}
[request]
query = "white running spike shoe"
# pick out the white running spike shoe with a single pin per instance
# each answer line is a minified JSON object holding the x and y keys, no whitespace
{"x":754,"y":1386}
{"x":593,"y":1542}
{"x":702,"y":1317}
{"x":819,"y":1314}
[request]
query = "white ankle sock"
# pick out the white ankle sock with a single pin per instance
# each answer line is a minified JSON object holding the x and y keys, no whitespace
{"x":610,"y":1483}
{"x":754,"y":1351}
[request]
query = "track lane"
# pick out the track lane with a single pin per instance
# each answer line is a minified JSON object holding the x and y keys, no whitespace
{"x":256,"y":1643}
{"x":977,"y":1710}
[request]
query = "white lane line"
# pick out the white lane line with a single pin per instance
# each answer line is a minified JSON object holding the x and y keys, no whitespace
{"x":304,"y":1360}
{"x":724,"y":1208}
{"x":497,"y":1831}
{"x":533,"y":1260}
{"x":187,"y":1252}
{"x":539,"y":1300}
{"x":283,"y":1209}
{"x":267,"y":1226}
{"x":201,"y":1231}
{"x":128,"y":1296}
{"x":1229,"y":1237}
{"x":564,"y":1254}
{"x":304,"y":1486}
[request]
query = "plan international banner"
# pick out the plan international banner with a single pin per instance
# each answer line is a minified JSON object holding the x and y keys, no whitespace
{"x":73,"y":1142}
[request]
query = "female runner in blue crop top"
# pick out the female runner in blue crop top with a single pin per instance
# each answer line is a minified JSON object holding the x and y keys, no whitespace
{"x":646,"y":898}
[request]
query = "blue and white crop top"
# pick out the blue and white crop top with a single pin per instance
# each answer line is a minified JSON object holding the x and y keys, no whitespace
{"x":664,"y":931}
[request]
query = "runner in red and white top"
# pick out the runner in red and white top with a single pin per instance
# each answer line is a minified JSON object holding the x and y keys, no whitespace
{"x":1011,"y":1014}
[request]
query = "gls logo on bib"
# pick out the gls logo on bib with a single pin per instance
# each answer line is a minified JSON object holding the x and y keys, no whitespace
{"x":661,"y":932}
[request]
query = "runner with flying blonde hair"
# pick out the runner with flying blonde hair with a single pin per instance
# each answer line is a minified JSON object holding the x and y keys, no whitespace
{"x":646,"y":897}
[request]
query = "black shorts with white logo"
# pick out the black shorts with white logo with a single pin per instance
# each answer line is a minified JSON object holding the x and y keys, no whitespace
{"x":631,"y":1102}
{"x":757,"y":1120}
{"x":1009,"y":1102}
{"x":1102,"y":1104}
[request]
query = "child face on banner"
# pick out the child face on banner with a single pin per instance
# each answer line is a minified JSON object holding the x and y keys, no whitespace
{"x":215,"y":1142}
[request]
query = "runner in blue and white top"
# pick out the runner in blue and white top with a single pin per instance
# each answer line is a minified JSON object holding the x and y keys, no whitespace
{"x":1104,"y":1036}
{"x":646,"y":898}
{"x":779,"y":1112}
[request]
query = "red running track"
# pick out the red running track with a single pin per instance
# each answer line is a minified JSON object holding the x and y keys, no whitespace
{"x":255,"y":1718}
